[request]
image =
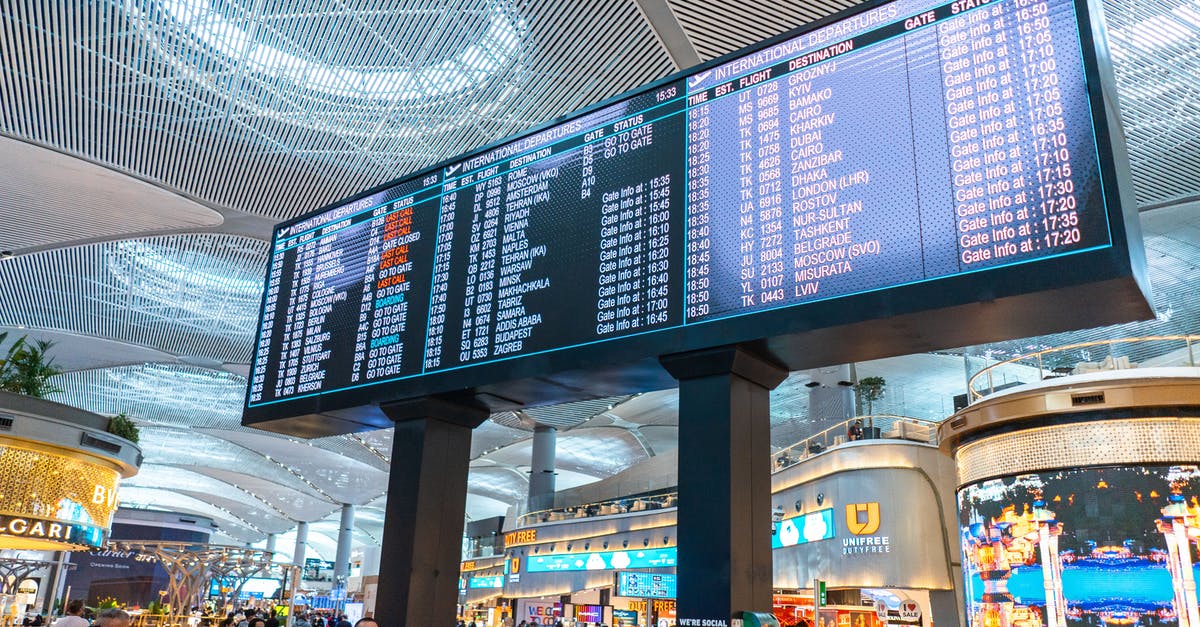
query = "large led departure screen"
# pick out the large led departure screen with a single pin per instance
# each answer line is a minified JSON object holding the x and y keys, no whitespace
{"x":905,"y":143}
{"x":1083,"y":546}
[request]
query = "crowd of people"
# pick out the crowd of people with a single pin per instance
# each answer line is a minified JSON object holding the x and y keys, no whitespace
{"x":251,"y":617}
{"x":77,"y":615}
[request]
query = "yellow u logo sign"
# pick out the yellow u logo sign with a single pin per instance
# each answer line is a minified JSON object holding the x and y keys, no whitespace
{"x":862,"y":518}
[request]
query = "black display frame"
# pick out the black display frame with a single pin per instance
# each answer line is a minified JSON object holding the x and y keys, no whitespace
{"x":1043,"y":295}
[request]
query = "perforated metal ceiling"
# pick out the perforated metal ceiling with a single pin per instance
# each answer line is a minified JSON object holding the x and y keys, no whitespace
{"x":194,"y":95}
{"x":151,"y":117}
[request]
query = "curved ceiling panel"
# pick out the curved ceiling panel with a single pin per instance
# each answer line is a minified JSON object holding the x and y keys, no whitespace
{"x":491,"y":436}
{"x":76,"y":200}
{"x":336,"y":476}
{"x":480,"y":507}
{"x":195,"y":94}
{"x":72,"y":351}
{"x":290,"y":503}
{"x":363,"y":535}
{"x":194,"y":295}
{"x":654,"y":408}
{"x":662,"y":438}
{"x":505,"y":484}
{"x":167,"y":394}
{"x":192,"y":449}
{"x":170,"y":500}
{"x":378,"y":443}
{"x":568,"y":415}
{"x":260,"y":517}
{"x":357,"y":447}
{"x":174,"y":478}
{"x":599,"y":452}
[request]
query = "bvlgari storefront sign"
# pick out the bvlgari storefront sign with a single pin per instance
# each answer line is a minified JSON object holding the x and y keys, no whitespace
{"x":52,"y":530}
{"x":54,"y":498}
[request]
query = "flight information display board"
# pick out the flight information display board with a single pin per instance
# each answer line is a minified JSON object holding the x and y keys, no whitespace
{"x":904,"y":143}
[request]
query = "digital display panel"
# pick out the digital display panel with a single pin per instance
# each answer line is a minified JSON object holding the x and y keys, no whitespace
{"x":589,"y":613}
{"x":646,"y":585}
{"x":803,"y":529}
{"x":604,"y":560}
{"x":496,"y":581}
{"x":1086,"y":546}
{"x":252,"y":588}
{"x":908,"y":142}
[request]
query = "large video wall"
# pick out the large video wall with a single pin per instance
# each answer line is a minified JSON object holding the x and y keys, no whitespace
{"x":1083,"y":546}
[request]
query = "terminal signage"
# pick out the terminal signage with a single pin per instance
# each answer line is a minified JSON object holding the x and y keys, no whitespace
{"x":605,"y":560}
{"x":646,"y":585}
{"x":524,"y":536}
{"x":496,"y":581}
{"x":913,"y":155}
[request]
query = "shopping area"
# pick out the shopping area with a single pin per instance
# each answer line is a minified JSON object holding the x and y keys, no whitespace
{"x":651,"y":313}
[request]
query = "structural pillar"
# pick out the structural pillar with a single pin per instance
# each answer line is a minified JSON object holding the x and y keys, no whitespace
{"x":341,"y":565}
{"x":830,"y":397}
{"x":426,"y":506}
{"x":724,"y":516}
{"x":541,"y":477}
{"x":271,"y":539}
{"x":301,"y":544}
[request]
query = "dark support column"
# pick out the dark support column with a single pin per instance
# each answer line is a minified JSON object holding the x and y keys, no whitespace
{"x":423,"y":525}
{"x":724,"y":526}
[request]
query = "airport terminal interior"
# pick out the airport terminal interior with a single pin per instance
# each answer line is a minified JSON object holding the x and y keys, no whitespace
{"x":982,"y":437}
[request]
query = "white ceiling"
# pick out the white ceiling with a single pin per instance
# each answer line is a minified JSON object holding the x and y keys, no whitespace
{"x":143,"y":160}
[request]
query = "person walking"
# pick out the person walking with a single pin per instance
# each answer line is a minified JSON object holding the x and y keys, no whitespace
{"x":74,"y":616}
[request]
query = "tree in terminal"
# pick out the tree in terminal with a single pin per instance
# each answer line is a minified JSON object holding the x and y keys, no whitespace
{"x":869,"y":389}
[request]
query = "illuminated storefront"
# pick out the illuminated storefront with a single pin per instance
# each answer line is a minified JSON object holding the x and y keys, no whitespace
{"x":1079,"y":502}
{"x":55,"y":493}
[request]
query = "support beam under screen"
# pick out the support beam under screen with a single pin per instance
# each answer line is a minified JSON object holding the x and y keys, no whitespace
{"x":427,"y":494}
{"x":724,"y":517}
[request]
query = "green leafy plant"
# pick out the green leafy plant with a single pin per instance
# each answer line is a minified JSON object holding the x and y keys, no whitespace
{"x":870,"y":389}
{"x":155,"y":608}
{"x":122,"y":427}
{"x":106,"y":603}
{"x":26,"y":367}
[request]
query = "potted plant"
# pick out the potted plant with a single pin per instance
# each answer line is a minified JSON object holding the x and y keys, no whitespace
{"x":27,"y":367}
{"x":122,"y":427}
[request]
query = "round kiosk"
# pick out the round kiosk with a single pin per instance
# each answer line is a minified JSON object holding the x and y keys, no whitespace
{"x":1079,"y":500}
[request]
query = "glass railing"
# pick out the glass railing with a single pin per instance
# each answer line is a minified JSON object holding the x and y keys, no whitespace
{"x":638,"y":503}
{"x":1136,"y":352}
{"x":874,"y":427}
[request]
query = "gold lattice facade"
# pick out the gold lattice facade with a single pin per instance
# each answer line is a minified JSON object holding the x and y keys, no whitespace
{"x":51,"y":496}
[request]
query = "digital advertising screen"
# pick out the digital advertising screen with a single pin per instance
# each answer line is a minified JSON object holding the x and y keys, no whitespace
{"x":647,"y":585}
{"x":589,"y":613}
{"x":905,"y":143}
{"x":604,"y":560}
{"x":805,"y":528}
{"x":496,"y":581}
{"x":1083,"y":546}
{"x":252,"y":588}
